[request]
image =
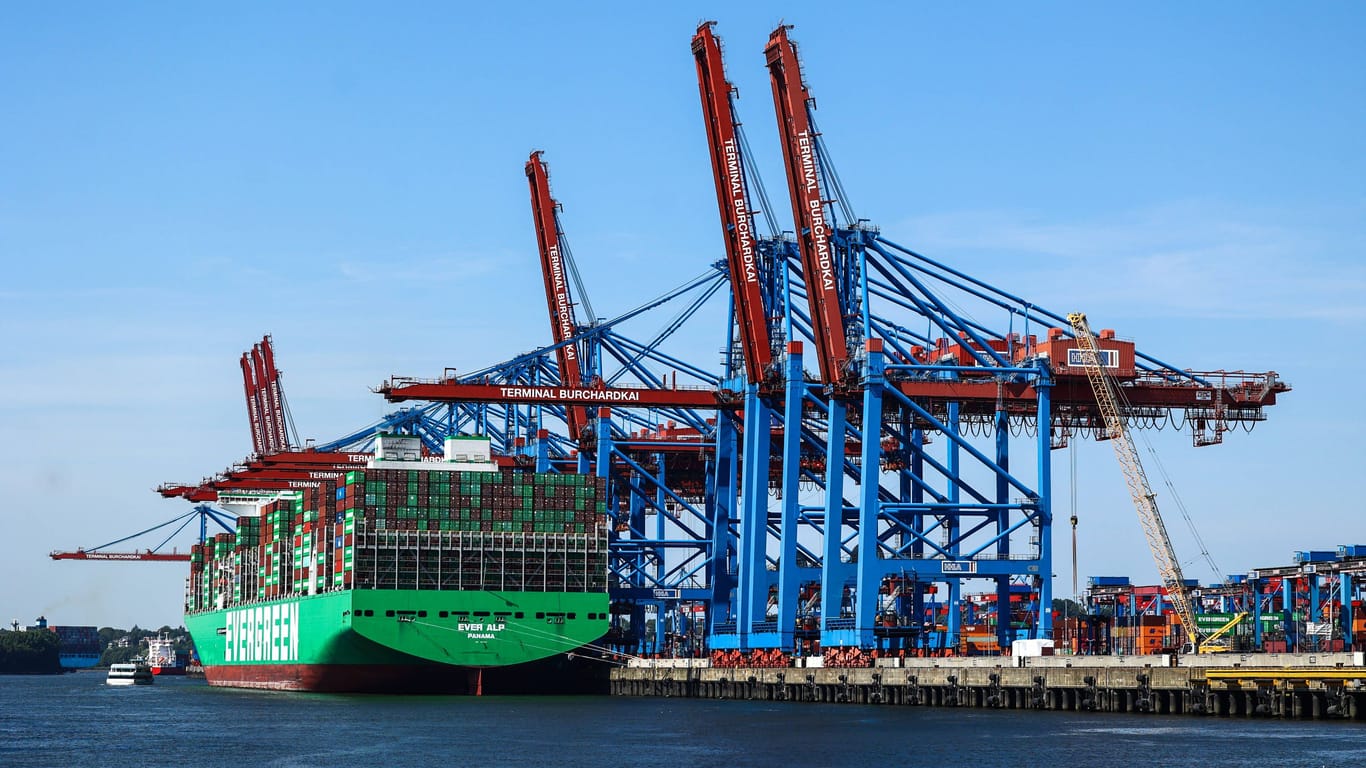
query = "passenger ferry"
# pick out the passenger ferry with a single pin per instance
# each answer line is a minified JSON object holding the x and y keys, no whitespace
{"x":132,"y":673}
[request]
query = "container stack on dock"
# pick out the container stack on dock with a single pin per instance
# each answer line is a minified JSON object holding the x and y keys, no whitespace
{"x":1145,"y":634}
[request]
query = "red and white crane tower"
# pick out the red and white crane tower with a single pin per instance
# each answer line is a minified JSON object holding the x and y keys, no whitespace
{"x":733,"y":200}
{"x":266,"y":409}
{"x":810,"y":213}
{"x":555,"y":269}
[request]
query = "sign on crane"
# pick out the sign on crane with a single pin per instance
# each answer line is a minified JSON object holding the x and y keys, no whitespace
{"x":1108,"y":397}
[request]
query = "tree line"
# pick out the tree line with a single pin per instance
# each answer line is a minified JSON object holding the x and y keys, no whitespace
{"x":29,"y":652}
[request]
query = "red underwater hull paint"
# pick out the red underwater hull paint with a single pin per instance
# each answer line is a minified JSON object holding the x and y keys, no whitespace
{"x":337,"y":678}
{"x":556,"y":675}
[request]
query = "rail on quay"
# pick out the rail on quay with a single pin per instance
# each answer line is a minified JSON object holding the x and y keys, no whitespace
{"x":1286,"y":686}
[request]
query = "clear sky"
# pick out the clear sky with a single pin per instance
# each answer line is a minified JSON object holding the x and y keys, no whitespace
{"x":176,"y":181}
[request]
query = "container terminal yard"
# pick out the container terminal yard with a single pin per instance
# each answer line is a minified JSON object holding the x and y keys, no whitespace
{"x":856,"y":504}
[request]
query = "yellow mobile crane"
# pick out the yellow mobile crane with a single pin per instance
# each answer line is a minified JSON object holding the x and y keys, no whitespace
{"x":1108,"y":398}
{"x":1215,"y":641}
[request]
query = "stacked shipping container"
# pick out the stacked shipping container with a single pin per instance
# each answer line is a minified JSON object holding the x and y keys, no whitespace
{"x":418,"y":528}
{"x":1145,"y":634}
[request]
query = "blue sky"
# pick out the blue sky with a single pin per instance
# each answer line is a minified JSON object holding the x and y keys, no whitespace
{"x":177,"y":181}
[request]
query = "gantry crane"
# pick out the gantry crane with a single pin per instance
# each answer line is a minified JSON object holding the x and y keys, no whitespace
{"x":946,"y":514}
{"x":900,"y":361}
{"x":1108,"y":398}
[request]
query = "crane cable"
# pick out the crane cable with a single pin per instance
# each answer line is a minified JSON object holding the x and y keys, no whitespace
{"x":1072,"y":450}
{"x":1185,"y":513}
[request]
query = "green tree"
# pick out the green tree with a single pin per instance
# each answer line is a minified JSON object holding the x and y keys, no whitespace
{"x":30,"y":652}
{"x":1065,"y":607}
{"x":116,"y":655}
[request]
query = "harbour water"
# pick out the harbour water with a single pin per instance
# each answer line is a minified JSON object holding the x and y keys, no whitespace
{"x":75,"y":719}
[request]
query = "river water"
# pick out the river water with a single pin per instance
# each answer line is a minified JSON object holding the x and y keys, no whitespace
{"x":75,"y":720}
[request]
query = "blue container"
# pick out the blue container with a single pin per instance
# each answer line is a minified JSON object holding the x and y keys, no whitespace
{"x":1315,"y":556}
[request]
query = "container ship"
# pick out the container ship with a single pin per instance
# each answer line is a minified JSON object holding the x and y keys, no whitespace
{"x":80,"y":646}
{"x":410,"y":575}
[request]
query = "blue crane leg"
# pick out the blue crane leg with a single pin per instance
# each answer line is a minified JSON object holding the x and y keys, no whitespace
{"x":869,"y":512}
{"x":953,"y":625}
{"x":1005,"y":632}
{"x":788,"y":589}
{"x":721,"y":515}
{"x":1345,"y":594}
{"x":753,"y":587}
{"x":832,"y":569}
{"x":1044,"y":572}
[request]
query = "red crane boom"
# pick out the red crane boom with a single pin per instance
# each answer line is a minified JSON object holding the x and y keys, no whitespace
{"x":809,"y":213}
{"x":258,"y":365}
{"x":258,"y":431}
{"x":732,"y":197}
{"x":80,"y":554}
{"x":274,"y":396}
{"x":397,"y":390}
{"x":562,"y":327}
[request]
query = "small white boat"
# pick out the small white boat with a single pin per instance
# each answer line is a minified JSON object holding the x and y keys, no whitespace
{"x":133,"y":673}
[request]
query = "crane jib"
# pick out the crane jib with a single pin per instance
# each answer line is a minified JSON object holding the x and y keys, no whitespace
{"x":554,"y":272}
{"x":802,"y":161}
{"x":737,"y":217}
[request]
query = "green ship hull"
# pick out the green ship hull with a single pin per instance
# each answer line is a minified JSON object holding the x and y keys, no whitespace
{"x":379,"y":640}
